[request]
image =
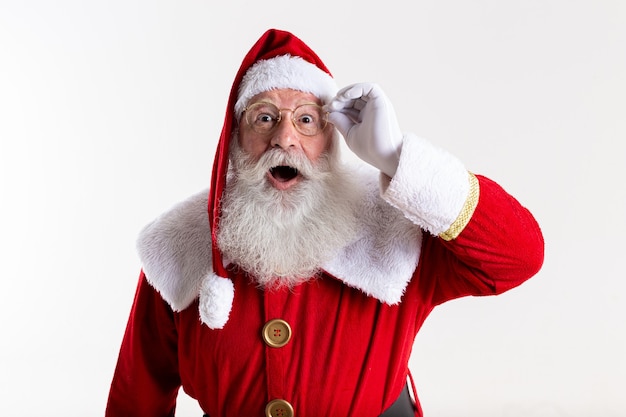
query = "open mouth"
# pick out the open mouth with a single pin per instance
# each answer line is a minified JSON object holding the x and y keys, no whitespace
{"x":283,"y":173}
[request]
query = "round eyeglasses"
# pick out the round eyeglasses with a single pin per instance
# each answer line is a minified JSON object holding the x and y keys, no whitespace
{"x":308,"y":119}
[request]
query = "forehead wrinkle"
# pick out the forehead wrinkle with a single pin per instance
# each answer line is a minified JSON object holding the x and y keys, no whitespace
{"x":285,"y":98}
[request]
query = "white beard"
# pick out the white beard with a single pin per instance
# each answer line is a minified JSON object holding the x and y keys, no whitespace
{"x":282,"y":238}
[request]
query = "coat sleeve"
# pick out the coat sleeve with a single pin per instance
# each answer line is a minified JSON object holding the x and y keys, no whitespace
{"x":146,"y":379}
{"x":499,"y":248}
{"x":480,"y":239}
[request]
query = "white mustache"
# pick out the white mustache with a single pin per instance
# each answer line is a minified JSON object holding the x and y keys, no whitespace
{"x":278,"y":157}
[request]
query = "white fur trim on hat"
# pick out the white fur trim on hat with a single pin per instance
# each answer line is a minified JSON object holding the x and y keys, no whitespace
{"x":216,"y":300}
{"x":284,"y":71}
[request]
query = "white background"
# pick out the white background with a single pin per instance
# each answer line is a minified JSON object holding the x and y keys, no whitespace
{"x":110,"y":111}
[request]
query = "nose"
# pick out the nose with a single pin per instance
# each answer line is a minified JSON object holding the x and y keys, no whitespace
{"x":285,"y":136}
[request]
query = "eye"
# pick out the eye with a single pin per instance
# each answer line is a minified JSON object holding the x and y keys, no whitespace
{"x":265,"y":118}
{"x":262,"y":117}
{"x":306,"y":119}
{"x":308,"y":114}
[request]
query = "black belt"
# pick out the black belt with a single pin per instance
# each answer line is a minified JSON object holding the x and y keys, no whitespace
{"x":402,"y":407}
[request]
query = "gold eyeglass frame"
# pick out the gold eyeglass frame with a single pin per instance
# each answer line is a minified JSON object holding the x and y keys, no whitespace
{"x":292,"y":118}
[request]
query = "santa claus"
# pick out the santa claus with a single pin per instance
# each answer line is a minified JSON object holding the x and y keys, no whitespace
{"x":297,"y":283}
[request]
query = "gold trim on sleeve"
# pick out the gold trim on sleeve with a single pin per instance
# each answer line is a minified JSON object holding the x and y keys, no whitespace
{"x":466,"y":213}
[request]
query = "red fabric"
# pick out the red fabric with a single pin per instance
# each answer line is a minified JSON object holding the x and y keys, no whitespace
{"x":146,"y":380}
{"x":500,"y":247}
{"x":349,"y":353}
{"x":271,"y":44}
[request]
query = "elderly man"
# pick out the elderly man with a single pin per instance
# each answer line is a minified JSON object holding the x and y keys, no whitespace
{"x":297,"y":284}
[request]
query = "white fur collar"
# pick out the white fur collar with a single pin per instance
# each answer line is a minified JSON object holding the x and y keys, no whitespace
{"x":175,"y":250}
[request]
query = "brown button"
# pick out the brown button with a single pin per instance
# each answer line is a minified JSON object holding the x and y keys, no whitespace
{"x":278,"y":408}
{"x":276,"y":333}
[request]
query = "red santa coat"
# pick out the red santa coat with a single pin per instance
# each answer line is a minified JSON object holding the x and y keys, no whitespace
{"x":428,"y":236}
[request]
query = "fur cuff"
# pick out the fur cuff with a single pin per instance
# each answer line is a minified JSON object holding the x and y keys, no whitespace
{"x":430,"y":186}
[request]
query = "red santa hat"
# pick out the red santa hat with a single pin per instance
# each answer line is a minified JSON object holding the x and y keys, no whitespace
{"x":277,"y":60}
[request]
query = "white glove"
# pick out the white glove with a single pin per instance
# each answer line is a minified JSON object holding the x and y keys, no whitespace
{"x":365,"y":117}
